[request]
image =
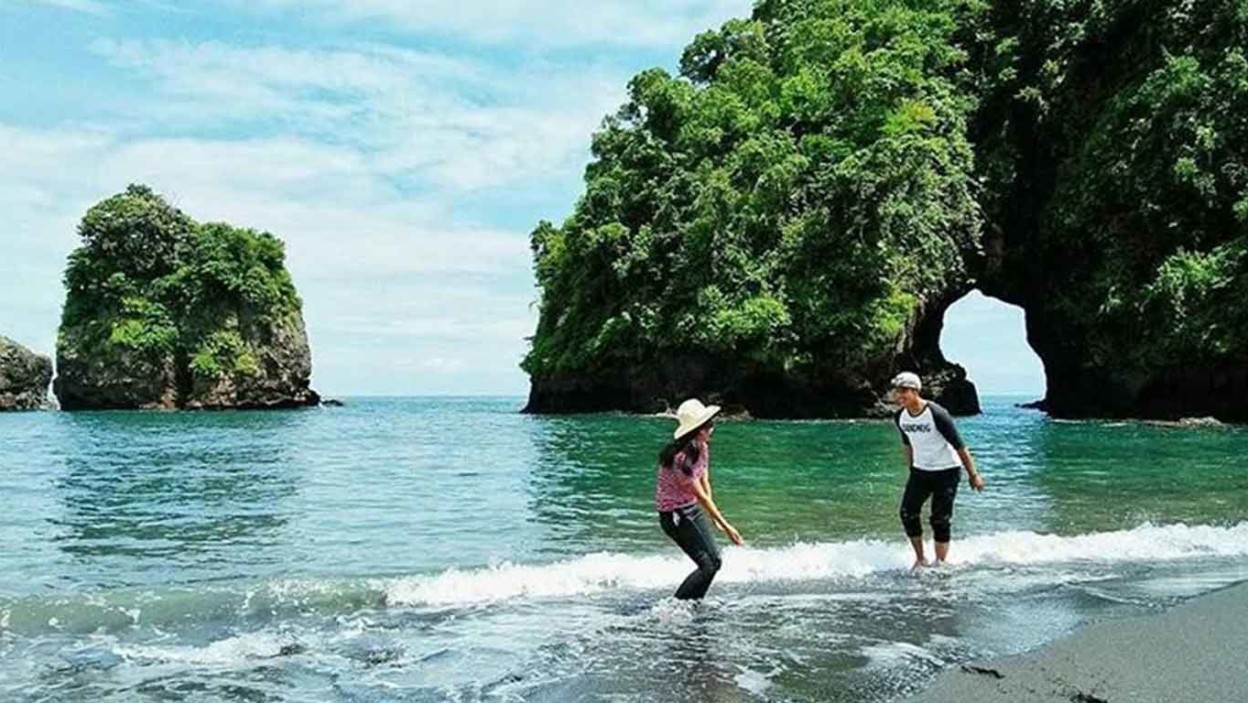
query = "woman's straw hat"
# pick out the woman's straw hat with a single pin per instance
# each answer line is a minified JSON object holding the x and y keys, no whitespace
{"x":692,"y":414}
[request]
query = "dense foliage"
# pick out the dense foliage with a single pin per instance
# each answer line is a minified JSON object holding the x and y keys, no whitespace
{"x":791,"y":198}
{"x":150,"y":284}
{"x":824,"y":175}
{"x":1116,"y":151}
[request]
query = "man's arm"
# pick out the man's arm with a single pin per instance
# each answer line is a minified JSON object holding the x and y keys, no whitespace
{"x":968,"y":462}
{"x":948,"y":430}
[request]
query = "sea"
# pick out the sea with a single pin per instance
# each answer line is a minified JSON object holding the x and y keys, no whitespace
{"x":454,"y":549}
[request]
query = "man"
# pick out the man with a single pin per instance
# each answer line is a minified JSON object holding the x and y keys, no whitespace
{"x":935,"y":455}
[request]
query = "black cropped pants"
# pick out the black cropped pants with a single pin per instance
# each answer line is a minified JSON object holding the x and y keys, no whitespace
{"x":942,"y":488}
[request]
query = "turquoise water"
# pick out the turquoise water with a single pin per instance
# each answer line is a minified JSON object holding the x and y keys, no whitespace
{"x":452,"y":549}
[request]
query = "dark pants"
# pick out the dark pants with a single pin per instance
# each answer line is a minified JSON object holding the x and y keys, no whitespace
{"x":942,"y":487}
{"x":691,"y":530}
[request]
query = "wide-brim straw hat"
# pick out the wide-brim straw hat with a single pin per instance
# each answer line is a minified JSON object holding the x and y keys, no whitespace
{"x":691,"y":415}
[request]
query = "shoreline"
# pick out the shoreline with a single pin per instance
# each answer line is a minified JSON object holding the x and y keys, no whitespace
{"x":1193,"y":652}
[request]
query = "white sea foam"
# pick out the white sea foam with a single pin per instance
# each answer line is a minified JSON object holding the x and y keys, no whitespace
{"x":240,"y":650}
{"x":888,"y":654}
{"x":754,"y":682}
{"x":601,"y":572}
{"x":1144,"y":543}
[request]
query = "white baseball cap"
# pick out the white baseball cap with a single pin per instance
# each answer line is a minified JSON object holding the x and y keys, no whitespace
{"x":907,"y":379}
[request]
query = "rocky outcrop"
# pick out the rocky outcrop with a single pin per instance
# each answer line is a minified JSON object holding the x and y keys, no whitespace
{"x":659,"y":384}
{"x":24,"y":377}
{"x":663,"y":385}
{"x":162,"y":312}
{"x":751,"y":233}
{"x":284,"y":364}
{"x":784,"y":224}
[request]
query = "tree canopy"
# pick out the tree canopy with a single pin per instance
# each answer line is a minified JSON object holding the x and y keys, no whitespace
{"x":822,"y":178}
{"x":791,"y":196}
{"x":150,"y":283}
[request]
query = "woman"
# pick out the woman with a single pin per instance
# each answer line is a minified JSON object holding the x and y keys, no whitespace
{"x":683,"y":493}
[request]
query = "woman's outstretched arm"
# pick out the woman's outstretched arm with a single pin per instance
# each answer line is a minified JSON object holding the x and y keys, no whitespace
{"x":720,"y":521}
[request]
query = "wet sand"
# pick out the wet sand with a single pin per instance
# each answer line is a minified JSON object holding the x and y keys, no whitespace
{"x":1195,"y":652}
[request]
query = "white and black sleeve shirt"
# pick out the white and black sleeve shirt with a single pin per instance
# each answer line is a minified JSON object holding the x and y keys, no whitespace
{"x":932,"y":436}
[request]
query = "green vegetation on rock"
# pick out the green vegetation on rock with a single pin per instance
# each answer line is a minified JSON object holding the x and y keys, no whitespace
{"x":164,"y":312}
{"x":785,"y":204}
{"x":1115,"y":154}
{"x":793,"y":213}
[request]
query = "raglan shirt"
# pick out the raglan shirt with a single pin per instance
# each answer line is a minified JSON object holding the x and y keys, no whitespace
{"x":932,"y":436}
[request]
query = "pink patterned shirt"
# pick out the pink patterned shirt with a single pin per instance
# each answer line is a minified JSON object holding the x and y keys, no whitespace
{"x":674,"y":488}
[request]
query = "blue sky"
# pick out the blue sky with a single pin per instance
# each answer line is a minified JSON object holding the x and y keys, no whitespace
{"x":403,"y":150}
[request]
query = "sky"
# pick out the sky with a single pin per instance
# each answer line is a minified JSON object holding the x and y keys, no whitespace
{"x":402,"y":149}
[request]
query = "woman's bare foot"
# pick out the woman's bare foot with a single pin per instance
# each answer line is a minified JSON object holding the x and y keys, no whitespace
{"x":920,"y":564}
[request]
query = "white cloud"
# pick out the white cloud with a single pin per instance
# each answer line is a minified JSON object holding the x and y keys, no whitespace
{"x":538,"y":25}
{"x":92,"y":7}
{"x":377,"y":165}
{"x":544,"y":23}
{"x":439,"y":363}
{"x":454,"y":124}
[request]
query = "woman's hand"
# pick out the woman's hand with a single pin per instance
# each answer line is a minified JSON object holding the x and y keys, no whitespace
{"x":732,"y":533}
{"x":978,"y":482}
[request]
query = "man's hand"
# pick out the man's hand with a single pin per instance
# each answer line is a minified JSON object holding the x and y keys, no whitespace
{"x":978,"y":482}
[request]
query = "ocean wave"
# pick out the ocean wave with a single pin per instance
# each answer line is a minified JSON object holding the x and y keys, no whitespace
{"x":597,"y":573}
{"x":594,"y":574}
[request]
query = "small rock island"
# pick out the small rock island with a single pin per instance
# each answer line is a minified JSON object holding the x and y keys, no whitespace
{"x":24,"y":377}
{"x":163,"y":312}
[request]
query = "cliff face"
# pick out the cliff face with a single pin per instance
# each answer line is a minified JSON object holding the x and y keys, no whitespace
{"x":654,"y":383}
{"x":283,"y":365}
{"x":784,"y":225}
{"x":24,"y":377}
{"x":163,"y":312}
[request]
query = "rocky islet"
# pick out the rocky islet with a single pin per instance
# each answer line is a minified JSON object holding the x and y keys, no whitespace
{"x":24,"y":377}
{"x":163,"y":312}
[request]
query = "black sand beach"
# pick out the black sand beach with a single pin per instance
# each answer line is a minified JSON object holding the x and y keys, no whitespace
{"x":1194,"y":653}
